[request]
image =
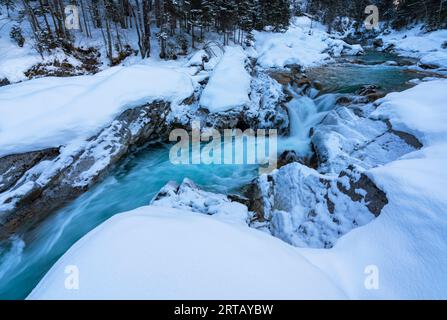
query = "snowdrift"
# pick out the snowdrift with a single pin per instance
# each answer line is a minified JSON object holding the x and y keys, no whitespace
{"x":50,"y":112}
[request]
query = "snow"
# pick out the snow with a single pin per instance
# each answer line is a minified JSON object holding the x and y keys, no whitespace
{"x":300,"y":46}
{"x":420,"y":110}
{"x":189,"y":197}
{"x":229,"y":84}
{"x":157,"y":252}
{"x":161,"y":253}
{"x":436,"y":59}
{"x":14,"y":61}
{"x":407,"y":241}
{"x":417,"y":43}
{"x":50,"y":112}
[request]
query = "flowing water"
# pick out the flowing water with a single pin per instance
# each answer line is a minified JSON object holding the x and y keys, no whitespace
{"x":26,"y":258}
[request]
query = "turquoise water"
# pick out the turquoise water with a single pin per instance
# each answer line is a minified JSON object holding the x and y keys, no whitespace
{"x":26,"y":258}
{"x":346,"y":77}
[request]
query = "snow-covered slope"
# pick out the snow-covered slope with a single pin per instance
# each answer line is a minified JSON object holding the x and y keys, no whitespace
{"x":300,"y":45}
{"x":14,"y":61}
{"x":164,"y":253}
{"x":50,"y":112}
{"x":416,"y":43}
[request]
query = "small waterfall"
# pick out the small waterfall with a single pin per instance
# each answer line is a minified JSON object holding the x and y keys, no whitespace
{"x":304,"y":113}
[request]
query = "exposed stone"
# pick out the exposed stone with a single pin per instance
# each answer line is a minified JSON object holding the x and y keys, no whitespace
{"x":428,"y":66}
{"x":4,"y":82}
{"x":344,"y":100}
{"x":283,"y":78}
{"x":317,"y":85}
{"x":377,"y":43}
{"x":288,"y":156}
{"x":374,"y":198}
{"x":13,"y":167}
{"x":68,"y":175}
{"x":372,"y":92}
{"x":255,"y":198}
{"x":294,"y":68}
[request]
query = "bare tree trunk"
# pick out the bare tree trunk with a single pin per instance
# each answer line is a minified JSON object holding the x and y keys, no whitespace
{"x":86,"y":28}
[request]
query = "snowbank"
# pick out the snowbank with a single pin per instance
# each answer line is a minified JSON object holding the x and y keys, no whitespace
{"x":165,"y":253}
{"x":419,"y":44}
{"x":229,"y":84}
{"x":300,"y":46}
{"x":407,"y":242}
{"x":50,"y":112}
{"x":14,"y":61}
{"x":161,"y":253}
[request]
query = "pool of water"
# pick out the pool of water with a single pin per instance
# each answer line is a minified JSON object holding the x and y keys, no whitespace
{"x":347,"y":77}
{"x":24,"y":259}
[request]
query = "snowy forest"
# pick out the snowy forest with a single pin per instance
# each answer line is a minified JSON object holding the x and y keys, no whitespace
{"x":180,"y":25}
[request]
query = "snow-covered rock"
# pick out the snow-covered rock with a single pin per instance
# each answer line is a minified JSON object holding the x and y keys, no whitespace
{"x":417,"y":43}
{"x":339,"y":195}
{"x":301,"y":45}
{"x":265,"y":110}
{"x":229,"y":84}
{"x":189,"y":197}
{"x":348,"y":135}
{"x":434,"y":60}
{"x":309,"y":209}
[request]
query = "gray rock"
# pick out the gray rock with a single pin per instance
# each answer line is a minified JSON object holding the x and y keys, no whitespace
{"x":13,"y":167}
{"x":40,"y":187}
{"x":4,"y":82}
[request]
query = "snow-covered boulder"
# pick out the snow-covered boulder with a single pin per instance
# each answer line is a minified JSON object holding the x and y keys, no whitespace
{"x":348,"y":135}
{"x":305,"y":43}
{"x":417,"y":43}
{"x":39,"y":182}
{"x":309,"y":209}
{"x":434,"y":60}
{"x":189,"y":197}
{"x":229,"y":84}
{"x":266,"y":109}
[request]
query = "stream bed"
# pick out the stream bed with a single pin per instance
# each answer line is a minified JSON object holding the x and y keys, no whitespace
{"x":26,"y":258}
